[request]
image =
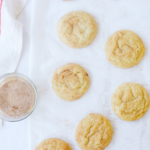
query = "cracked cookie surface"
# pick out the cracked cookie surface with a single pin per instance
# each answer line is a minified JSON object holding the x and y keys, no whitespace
{"x":77,"y":29}
{"x":94,"y":132}
{"x":70,"y":82}
{"x":124,"y":49}
{"x":53,"y":144}
{"x":130,"y":101}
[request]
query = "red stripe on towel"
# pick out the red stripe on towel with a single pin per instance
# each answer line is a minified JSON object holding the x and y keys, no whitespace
{"x":0,"y":13}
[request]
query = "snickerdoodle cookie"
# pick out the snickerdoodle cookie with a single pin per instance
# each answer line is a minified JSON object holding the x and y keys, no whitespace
{"x":130,"y":101}
{"x":94,"y":132}
{"x":70,"y":82}
{"x":53,"y":144}
{"x":77,"y":29}
{"x":124,"y":49}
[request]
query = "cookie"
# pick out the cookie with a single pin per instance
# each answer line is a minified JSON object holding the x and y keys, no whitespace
{"x":94,"y":132}
{"x":77,"y":29}
{"x":53,"y":144}
{"x":130,"y":101}
{"x":124,"y":49}
{"x":70,"y":82}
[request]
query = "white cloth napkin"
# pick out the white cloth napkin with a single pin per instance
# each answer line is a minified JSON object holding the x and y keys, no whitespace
{"x":11,"y":35}
{"x":56,"y":118}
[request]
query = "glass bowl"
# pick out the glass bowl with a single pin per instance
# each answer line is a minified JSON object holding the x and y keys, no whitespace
{"x":7,"y":77}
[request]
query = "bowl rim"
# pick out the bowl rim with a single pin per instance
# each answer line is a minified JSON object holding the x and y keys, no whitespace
{"x":28,"y":80}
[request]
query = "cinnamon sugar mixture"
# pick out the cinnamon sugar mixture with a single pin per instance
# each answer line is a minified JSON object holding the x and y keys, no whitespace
{"x":16,"y":98}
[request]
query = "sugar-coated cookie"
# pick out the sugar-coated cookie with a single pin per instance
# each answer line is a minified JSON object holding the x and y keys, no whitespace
{"x":53,"y":144}
{"x":124,"y":49}
{"x":94,"y":132}
{"x":77,"y":29}
{"x":130,"y":101}
{"x":70,"y":82}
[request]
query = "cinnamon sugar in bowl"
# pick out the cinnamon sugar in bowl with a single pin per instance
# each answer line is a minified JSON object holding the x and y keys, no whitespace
{"x":18,"y":97}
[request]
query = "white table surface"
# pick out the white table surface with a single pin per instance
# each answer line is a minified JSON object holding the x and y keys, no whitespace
{"x":15,"y":136}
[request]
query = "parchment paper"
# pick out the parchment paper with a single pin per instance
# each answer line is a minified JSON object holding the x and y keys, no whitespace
{"x":54,"y":117}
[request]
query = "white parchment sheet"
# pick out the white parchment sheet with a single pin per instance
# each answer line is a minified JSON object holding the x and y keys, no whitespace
{"x":54,"y":117}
